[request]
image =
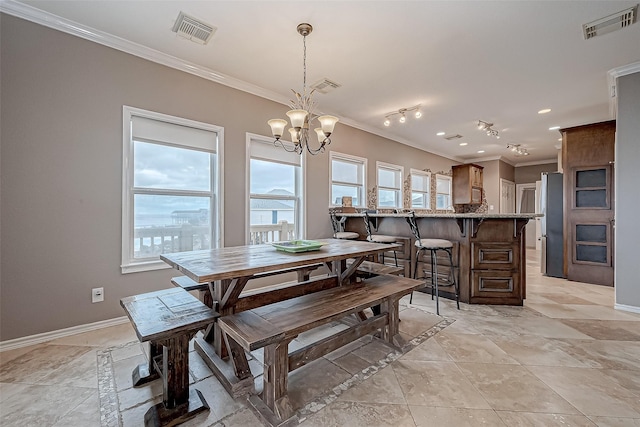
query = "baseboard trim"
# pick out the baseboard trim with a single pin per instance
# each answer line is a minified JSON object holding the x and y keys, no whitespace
{"x":629,"y":308}
{"x":60,"y":333}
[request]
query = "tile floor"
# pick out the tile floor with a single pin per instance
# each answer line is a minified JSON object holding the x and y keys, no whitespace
{"x":565,"y":359}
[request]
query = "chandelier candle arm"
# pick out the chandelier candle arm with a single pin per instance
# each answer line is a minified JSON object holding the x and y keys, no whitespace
{"x":301,"y":114}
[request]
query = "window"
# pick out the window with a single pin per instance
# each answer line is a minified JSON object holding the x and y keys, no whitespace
{"x":420,"y":189}
{"x":443,"y":192}
{"x":275,"y":192}
{"x":389,"y":185}
{"x":348,"y":178}
{"x":171,"y":187}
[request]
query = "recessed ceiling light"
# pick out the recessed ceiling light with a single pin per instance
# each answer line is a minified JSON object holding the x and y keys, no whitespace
{"x":480,"y":151}
{"x":554,"y":128}
{"x":463,"y":143}
{"x":545,"y":111}
{"x":440,"y":133}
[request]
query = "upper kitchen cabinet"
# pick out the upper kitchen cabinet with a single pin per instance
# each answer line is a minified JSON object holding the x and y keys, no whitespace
{"x":467,"y":184}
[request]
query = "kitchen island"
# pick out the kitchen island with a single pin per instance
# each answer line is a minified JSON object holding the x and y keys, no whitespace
{"x":489,"y":252}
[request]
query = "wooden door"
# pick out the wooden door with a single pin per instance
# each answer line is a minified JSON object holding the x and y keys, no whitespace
{"x":588,"y":155}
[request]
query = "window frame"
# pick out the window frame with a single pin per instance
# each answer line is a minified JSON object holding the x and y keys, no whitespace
{"x":449,"y":193}
{"x":128,"y":263}
{"x":361,"y":162}
{"x":427,"y":193}
{"x":300,"y":186}
{"x":400,"y":189}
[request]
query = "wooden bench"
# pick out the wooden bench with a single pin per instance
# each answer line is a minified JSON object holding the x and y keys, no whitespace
{"x":188,"y":284}
{"x":275,"y":325}
{"x":168,"y":319}
{"x":369,"y":268}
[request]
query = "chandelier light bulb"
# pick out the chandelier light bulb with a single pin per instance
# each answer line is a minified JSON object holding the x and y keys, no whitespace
{"x":294,"y":135}
{"x":327,"y":123}
{"x":277,"y":127}
{"x":321,"y":135}
{"x":402,"y":118}
{"x":418,"y":114}
{"x":387,"y":122}
{"x":297,"y":118}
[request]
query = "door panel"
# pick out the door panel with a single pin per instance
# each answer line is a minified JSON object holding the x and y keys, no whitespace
{"x":588,"y":154}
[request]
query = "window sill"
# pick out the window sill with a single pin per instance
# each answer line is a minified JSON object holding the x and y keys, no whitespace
{"x":144,"y":266}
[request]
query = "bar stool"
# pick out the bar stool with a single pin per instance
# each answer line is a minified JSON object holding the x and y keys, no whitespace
{"x":433,"y":246}
{"x":379,"y":238}
{"x":338,"y":228}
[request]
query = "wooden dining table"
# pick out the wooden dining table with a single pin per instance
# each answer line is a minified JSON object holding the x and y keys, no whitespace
{"x":228,"y":271}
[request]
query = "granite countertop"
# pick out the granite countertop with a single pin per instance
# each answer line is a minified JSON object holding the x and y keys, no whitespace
{"x":447,"y":215}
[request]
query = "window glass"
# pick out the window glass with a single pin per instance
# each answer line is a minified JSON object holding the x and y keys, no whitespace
{"x":389,"y":185}
{"x":420,"y":189}
{"x":347,"y":179}
{"x":161,"y":166}
{"x":443,"y":192}
{"x":275,"y":187}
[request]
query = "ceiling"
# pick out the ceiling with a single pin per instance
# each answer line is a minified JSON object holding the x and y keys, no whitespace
{"x":463,"y":61}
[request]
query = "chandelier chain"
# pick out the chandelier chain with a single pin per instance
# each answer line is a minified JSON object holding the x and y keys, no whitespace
{"x":304,"y":65}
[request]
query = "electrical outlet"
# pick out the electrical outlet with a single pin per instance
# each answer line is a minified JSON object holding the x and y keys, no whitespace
{"x":97,"y":295}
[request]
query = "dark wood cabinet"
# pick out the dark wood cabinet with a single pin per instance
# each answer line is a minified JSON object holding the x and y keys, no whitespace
{"x":489,"y":253}
{"x":495,"y":270}
{"x":467,"y":184}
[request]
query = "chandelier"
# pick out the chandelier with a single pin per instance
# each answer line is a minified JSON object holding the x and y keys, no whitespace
{"x":403,"y":114}
{"x":301,"y":114}
{"x":486,"y":127}
{"x":518,"y":150}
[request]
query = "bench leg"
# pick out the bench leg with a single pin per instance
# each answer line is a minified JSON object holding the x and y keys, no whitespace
{"x":146,"y":372}
{"x":238,"y":358}
{"x":276,"y":372}
{"x":391,"y":333}
{"x":178,"y":403}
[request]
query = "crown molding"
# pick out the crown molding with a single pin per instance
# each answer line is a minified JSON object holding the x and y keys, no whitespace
{"x":624,"y":70}
{"x":537,"y":162}
{"x":385,"y":134}
{"x":612,"y":76}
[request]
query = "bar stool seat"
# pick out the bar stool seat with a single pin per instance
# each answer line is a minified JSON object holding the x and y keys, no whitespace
{"x":338,"y":228}
{"x":433,"y":244}
{"x":350,"y":235}
{"x":381,"y":238}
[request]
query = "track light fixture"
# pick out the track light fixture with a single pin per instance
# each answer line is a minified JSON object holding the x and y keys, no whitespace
{"x":403,"y":114}
{"x":486,"y":127}
{"x":518,"y":150}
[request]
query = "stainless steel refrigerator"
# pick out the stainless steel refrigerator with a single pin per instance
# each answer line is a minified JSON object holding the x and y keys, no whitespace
{"x":551,"y":203}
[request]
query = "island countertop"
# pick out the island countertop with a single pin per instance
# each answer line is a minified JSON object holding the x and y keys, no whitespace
{"x":444,"y":215}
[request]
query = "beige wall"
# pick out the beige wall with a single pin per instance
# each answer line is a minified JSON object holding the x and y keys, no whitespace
{"x":492,"y":172}
{"x":529,"y":174}
{"x":61,"y":170}
{"x":627,"y":177}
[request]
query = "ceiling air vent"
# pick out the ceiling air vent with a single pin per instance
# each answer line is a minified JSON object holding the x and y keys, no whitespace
{"x":325,"y":85}
{"x":610,"y":23}
{"x":451,"y":137}
{"x":190,"y":28}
